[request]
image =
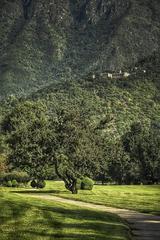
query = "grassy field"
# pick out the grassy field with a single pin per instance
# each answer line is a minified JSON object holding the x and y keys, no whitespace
{"x":23,"y":218}
{"x":141,"y":198}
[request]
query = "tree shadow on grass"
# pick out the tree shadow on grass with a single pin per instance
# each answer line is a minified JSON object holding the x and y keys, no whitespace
{"x":40,"y":191}
{"x":11,"y":209}
{"x":68,"y":236}
{"x":56,"y":222}
{"x":96,"y":226}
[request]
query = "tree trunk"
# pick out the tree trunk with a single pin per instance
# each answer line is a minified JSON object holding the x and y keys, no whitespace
{"x":71,"y":186}
{"x":70,"y":183}
{"x":74,"y":189}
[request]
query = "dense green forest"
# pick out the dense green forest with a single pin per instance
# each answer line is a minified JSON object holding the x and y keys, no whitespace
{"x":79,"y":90}
{"x":107,"y":131}
{"x":79,"y":119}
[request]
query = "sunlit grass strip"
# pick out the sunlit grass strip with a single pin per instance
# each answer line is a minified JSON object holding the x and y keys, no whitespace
{"x":136,"y":197}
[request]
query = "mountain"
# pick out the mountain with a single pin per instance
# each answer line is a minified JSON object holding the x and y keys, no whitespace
{"x":45,"y":42}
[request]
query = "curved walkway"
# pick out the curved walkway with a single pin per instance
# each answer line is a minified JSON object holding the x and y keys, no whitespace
{"x":143,"y":226}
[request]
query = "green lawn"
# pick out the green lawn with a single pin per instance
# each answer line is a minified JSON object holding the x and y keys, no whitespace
{"x":23,"y":218}
{"x":140,"y":198}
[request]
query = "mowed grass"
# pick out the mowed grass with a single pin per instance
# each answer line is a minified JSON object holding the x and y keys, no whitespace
{"x":136,"y":197}
{"x":25,"y":218}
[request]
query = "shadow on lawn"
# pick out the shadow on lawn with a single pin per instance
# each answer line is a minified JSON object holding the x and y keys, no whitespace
{"x":39,"y":191}
{"x":35,"y":221}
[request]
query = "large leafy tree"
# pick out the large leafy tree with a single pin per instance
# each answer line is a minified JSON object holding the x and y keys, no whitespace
{"x":62,"y":138}
{"x":118,"y":163}
{"x":143,"y":146}
{"x":77,"y":151}
{"x":28,"y":135}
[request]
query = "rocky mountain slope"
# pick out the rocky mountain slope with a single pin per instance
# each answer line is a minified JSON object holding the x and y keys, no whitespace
{"x":42,"y":42}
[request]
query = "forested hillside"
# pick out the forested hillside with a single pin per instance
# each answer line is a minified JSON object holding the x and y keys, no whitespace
{"x":99,"y":126}
{"x":42,"y":42}
{"x":79,"y":89}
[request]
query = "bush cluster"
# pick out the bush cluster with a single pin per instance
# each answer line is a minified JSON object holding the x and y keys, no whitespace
{"x":84,"y":184}
{"x":38,"y":184}
{"x":12,"y":183}
{"x":14,"y":179}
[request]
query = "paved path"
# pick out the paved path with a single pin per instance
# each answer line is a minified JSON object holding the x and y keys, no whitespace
{"x":143,"y":226}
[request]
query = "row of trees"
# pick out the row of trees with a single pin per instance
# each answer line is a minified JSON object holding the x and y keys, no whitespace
{"x":65,"y":140}
{"x":134,"y":159}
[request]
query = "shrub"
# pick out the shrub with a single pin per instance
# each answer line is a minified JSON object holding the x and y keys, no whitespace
{"x":14,"y":183}
{"x":9,"y":184}
{"x":87,"y":184}
{"x":20,"y":177}
{"x":41,"y":184}
{"x":78,"y":184}
{"x":33,"y":184}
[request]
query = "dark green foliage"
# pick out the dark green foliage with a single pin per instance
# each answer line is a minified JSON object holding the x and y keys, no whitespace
{"x":90,"y":36}
{"x":49,"y":173}
{"x":76,"y":148}
{"x":20,"y":177}
{"x":81,"y":127}
{"x":37,"y":140}
{"x":81,"y":130}
{"x":118,"y":163}
{"x":78,"y":184}
{"x":143,"y":146}
{"x":14,"y":183}
{"x":87,"y":184}
{"x":28,"y":129}
{"x":9,"y":184}
{"x":33,"y":184}
{"x":40,"y":184}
